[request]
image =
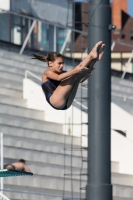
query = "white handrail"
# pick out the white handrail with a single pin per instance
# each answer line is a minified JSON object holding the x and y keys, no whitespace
{"x":32,"y":74}
{"x":2,"y":195}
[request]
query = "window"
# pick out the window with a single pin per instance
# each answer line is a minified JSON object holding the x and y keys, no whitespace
{"x":131,"y":35}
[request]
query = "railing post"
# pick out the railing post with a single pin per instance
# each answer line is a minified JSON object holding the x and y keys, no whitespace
{"x":65,"y":42}
{"x":27,"y":37}
{"x":127,"y":64}
{"x":55,"y":37}
{"x":112,"y":46}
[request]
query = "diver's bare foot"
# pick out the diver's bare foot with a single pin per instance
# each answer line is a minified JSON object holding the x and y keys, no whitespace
{"x":97,"y":51}
{"x":101,"y":51}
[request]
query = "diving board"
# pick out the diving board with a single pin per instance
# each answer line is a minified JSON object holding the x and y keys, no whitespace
{"x":9,"y":172}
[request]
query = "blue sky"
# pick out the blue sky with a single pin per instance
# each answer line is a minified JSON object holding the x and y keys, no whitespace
{"x":130,"y":6}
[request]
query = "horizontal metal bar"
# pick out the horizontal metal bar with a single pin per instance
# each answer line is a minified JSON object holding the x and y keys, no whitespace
{"x":84,"y":110}
{"x":83,"y":188}
{"x":84,"y":98}
{"x":39,"y":193}
{"x":122,"y":43}
{"x":72,"y":198}
{"x":82,"y":174}
{"x":41,"y":20}
{"x":73,"y":123}
{"x":76,"y":124}
{"x":84,"y":85}
{"x":75,"y":149}
{"x":34,"y":75}
{"x":85,"y":160}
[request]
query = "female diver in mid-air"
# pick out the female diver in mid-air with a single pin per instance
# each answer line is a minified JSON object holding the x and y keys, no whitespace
{"x":60,"y":86}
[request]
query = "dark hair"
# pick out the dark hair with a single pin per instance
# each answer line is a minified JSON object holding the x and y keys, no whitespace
{"x":52,"y":56}
{"x":22,"y":160}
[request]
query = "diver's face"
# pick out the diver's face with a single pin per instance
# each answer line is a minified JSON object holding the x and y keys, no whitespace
{"x":57,"y":65}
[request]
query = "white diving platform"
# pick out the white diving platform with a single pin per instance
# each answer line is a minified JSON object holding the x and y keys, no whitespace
{"x":9,"y":173}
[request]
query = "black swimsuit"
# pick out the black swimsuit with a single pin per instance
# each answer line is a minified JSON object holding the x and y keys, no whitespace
{"x":49,"y":87}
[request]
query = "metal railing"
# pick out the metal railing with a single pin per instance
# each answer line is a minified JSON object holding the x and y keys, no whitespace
{"x":130,"y":58}
{"x":4,"y":197}
{"x":32,"y":74}
{"x":43,"y":195}
{"x":39,"y":45}
{"x":127,"y":65}
{"x":27,"y":37}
